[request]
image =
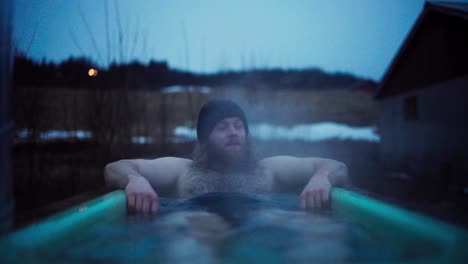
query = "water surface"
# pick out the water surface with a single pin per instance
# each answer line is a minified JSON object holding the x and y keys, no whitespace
{"x":229,"y":228}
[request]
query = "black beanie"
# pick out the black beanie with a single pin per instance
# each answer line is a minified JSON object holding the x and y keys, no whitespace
{"x":213,"y":112}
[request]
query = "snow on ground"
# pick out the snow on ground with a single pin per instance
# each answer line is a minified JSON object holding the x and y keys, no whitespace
{"x":187,"y":132}
{"x":314,"y":132}
{"x":57,"y":134}
{"x":183,"y":89}
{"x":142,"y":140}
{"x":305,"y":132}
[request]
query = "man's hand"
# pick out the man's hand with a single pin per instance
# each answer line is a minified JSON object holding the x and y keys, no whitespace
{"x":141,"y":197}
{"x":316,"y":194}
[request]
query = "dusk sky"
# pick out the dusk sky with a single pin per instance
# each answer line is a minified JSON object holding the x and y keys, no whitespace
{"x":359,"y":37}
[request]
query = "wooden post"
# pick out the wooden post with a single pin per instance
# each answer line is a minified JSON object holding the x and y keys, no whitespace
{"x":6,"y":124}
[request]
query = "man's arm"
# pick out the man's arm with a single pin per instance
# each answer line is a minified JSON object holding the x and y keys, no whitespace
{"x":315,"y":176}
{"x":161,"y":173}
{"x":143,"y":180}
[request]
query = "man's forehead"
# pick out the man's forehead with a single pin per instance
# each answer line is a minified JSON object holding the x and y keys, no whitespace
{"x":230,"y":120}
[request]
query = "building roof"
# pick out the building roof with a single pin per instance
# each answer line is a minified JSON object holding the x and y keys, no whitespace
{"x":461,"y":8}
{"x":421,"y":68}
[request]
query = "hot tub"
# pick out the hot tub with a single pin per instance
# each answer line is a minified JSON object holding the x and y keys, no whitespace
{"x":436,"y":242}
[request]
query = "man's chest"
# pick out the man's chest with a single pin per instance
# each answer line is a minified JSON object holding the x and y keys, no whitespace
{"x":196,"y":182}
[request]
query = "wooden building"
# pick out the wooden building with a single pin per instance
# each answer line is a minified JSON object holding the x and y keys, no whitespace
{"x":424,"y":98}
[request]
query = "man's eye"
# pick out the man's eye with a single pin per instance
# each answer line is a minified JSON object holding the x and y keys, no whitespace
{"x":221,"y":127}
{"x":239,"y":126}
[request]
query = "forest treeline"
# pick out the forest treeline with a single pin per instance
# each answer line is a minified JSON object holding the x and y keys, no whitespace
{"x":157,"y":74}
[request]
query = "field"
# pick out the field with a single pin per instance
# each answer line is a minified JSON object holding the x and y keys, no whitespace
{"x":51,"y":170}
{"x":144,"y":112}
{"x":48,"y":171}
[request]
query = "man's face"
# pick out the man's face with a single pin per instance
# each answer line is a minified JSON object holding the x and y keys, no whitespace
{"x":228,"y":139}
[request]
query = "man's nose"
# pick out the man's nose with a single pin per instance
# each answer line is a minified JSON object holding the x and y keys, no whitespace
{"x":232,"y":130}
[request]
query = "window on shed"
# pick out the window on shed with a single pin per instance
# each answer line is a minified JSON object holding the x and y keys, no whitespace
{"x":411,"y":108}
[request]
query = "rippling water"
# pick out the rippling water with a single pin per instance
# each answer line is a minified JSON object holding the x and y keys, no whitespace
{"x":228,"y":228}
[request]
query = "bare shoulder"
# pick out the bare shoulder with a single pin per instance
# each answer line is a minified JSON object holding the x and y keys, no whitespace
{"x":277,"y":161}
{"x":174,"y":164}
{"x":281,"y":161}
{"x":162,"y":168}
{"x":172,"y":161}
{"x":284,"y":167}
{"x":274,"y":165}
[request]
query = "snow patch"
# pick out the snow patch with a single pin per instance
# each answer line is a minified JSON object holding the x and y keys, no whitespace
{"x":263,"y":131}
{"x":184,"y":89}
{"x":142,"y":140}
{"x":57,"y":134}
{"x":305,"y":132}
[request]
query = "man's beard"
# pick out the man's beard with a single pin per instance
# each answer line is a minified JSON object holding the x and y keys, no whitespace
{"x":210,"y":158}
{"x":225,"y":159}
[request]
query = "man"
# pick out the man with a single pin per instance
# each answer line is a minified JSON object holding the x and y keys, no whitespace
{"x":223,"y":161}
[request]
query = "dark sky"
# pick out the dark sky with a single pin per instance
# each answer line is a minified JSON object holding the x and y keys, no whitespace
{"x":356,"y":36}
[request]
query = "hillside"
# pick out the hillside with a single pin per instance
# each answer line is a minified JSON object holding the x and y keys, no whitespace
{"x":155,"y":75}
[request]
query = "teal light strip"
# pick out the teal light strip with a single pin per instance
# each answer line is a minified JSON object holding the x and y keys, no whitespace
{"x":402,"y":227}
{"x":59,"y":228}
{"x":385,"y":221}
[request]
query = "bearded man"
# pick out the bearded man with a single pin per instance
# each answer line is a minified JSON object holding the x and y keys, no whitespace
{"x":223,"y":161}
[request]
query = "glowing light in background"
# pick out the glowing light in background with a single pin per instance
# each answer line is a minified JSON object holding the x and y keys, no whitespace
{"x":92,"y":72}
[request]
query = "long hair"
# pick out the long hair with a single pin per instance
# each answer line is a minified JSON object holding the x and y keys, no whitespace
{"x":204,"y":160}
